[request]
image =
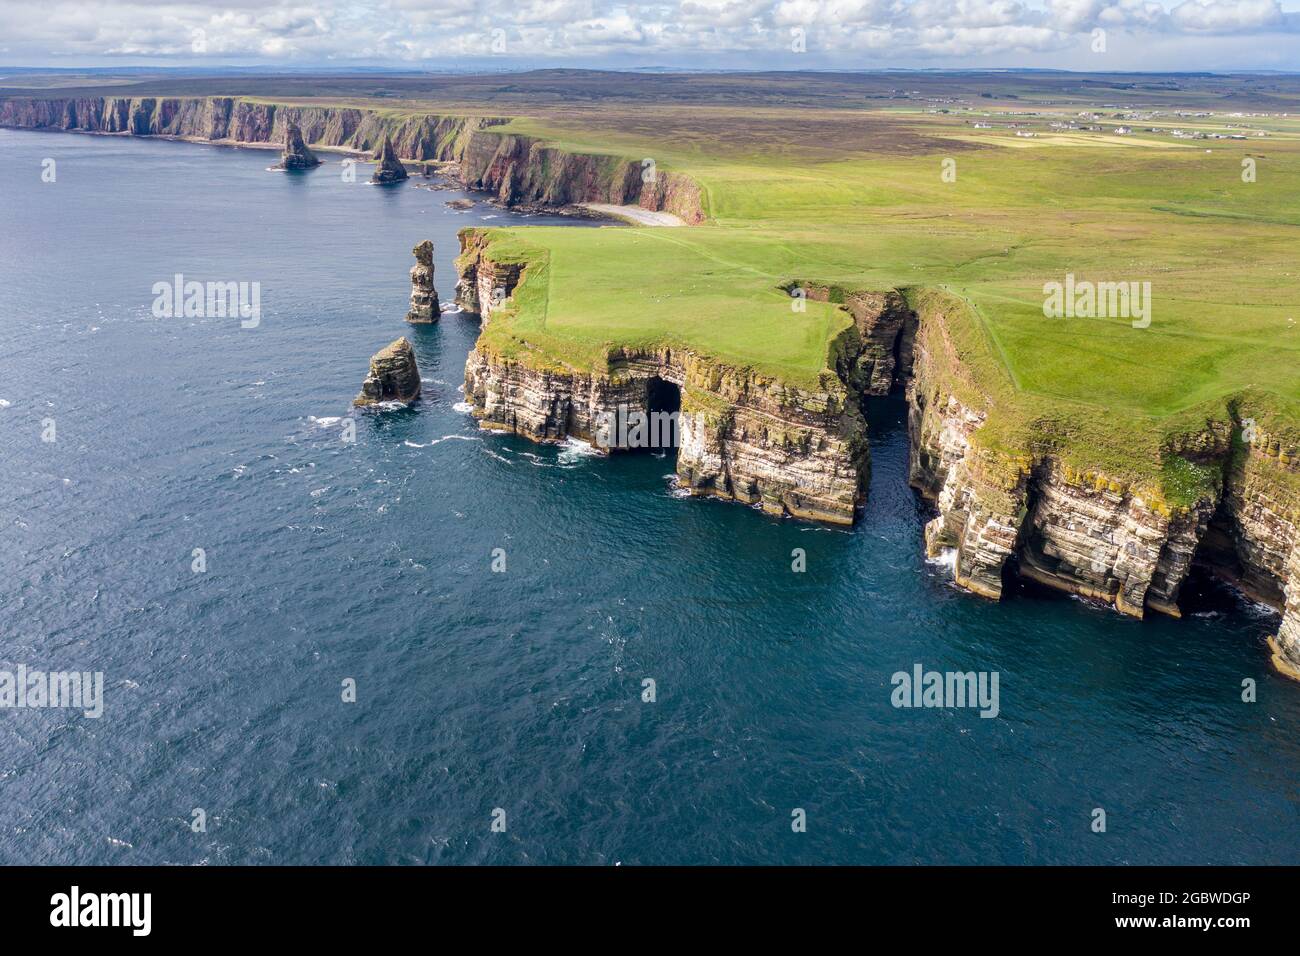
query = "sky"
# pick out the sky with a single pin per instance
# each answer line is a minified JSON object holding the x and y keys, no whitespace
{"x":1098,"y":35}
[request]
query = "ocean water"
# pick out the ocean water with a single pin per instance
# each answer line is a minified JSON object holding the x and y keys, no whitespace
{"x":522,"y":690}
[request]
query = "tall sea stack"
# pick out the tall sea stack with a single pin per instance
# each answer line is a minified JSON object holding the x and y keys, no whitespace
{"x":390,"y":168}
{"x":394,"y":376}
{"x":296,"y":155}
{"x":425,"y":307}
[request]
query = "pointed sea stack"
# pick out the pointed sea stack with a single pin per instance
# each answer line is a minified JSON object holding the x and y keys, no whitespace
{"x":296,"y":155}
{"x":425,"y":307}
{"x":394,"y":376}
{"x":390,"y":168}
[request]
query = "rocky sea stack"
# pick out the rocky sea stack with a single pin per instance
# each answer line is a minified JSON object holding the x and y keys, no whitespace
{"x":296,"y":155}
{"x":390,"y":168}
{"x":394,"y":376}
{"x":425,"y":307}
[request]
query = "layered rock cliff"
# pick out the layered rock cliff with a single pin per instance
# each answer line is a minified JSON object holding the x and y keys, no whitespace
{"x":740,"y":435}
{"x":1227,"y":499}
{"x":518,"y":170}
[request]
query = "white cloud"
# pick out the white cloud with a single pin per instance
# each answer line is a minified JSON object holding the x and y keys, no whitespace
{"x":953,"y":32}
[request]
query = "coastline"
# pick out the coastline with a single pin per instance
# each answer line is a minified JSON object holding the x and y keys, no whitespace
{"x":986,"y":528}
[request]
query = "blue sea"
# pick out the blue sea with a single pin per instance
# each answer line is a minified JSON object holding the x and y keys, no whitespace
{"x":515,"y":696}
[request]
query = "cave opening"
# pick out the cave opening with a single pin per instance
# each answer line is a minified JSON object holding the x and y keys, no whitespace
{"x":663,"y":407}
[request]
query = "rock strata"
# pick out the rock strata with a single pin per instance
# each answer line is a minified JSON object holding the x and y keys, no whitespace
{"x":394,"y":376}
{"x":740,"y":436}
{"x":390,"y":168}
{"x":425,"y":307}
{"x":1098,"y":536}
{"x":295,"y":155}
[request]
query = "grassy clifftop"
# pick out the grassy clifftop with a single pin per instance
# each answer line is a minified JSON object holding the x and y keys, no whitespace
{"x":860,"y":199}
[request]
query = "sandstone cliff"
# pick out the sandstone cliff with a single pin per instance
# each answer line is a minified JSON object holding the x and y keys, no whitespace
{"x":425,"y":307}
{"x":393,"y":377}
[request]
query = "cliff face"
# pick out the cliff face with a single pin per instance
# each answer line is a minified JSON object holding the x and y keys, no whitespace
{"x":224,"y":119}
{"x":1087,"y":534}
{"x":740,"y":436}
{"x":482,"y":283}
{"x":516,"y":169}
{"x":519,"y":169}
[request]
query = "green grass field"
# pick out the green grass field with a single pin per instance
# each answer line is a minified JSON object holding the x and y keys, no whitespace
{"x":856,"y":198}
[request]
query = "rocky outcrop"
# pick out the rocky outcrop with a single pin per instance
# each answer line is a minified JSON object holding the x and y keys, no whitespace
{"x":425,"y":307}
{"x":875,"y":354}
{"x":295,"y":154}
{"x":394,"y":376}
{"x":389,"y":168}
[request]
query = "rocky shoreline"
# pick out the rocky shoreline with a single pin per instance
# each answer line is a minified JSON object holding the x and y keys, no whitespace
{"x":999,"y":511}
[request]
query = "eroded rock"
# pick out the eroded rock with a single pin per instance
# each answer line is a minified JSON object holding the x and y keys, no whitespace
{"x":425,"y":307}
{"x":394,"y":376}
{"x":295,"y":154}
{"x":390,"y":168}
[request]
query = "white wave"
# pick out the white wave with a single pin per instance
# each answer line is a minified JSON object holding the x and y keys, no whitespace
{"x":326,"y":422}
{"x":575,"y":449}
{"x":439,"y":441}
{"x":452,"y":310}
{"x":946,"y":558}
{"x":463,"y":407}
{"x":4,"y":403}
